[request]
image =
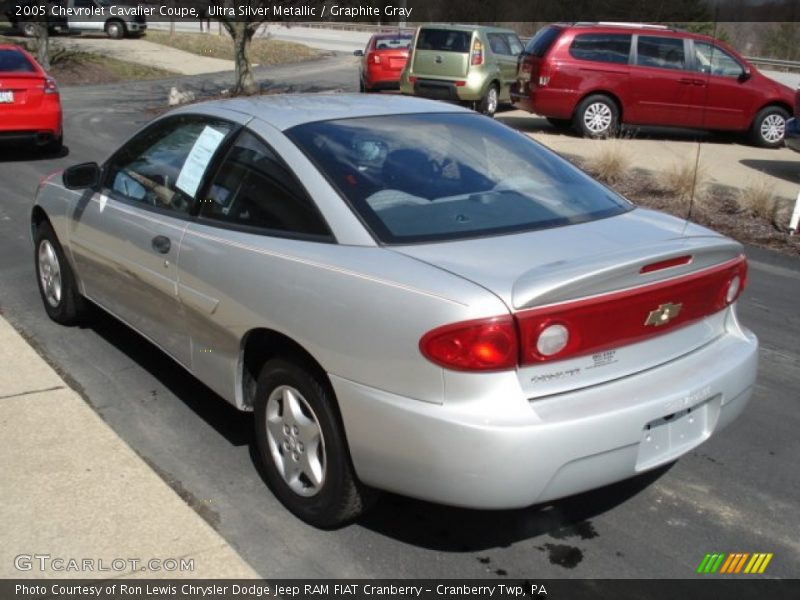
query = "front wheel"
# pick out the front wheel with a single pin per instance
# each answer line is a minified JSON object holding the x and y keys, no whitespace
{"x":302,"y":446}
{"x":769,"y":127}
{"x":491,"y":99}
{"x":597,"y":117}
{"x":57,"y":286}
{"x":115,"y":30}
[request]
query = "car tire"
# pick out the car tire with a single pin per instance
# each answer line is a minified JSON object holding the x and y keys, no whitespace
{"x":56,"y":281}
{"x":55,"y":145}
{"x":28,"y":28}
{"x":490,"y":101}
{"x":559,"y":123}
{"x":769,"y":127}
{"x":361,"y":87}
{"x":597,"y":116}
{"x":302,"y":447}
{"x":115,"y":30}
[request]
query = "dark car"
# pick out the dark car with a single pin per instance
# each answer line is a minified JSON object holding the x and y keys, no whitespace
{"x":793,"y":126}
{"x":597,"y":76}
{"x":25,"y":14}
{"x":383,"y":61}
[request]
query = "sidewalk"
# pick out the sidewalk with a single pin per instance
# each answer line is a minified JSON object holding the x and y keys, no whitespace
{"x":70,"y":488}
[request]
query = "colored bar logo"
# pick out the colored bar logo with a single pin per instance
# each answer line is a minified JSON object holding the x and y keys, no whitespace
{"x":737,"y":562}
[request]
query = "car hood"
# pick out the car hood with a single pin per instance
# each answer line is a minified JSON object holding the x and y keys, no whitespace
{"x":576,"y":261}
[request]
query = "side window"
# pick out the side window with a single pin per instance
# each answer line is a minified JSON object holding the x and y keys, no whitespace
{"x":514,"y":44}
{"x":499,"y":44}
{"x":164,"y":165}
{"x":661,"y":52}
{"x":253,"y":187}
{"x":712,"y":59}
{"x":601,"y":47}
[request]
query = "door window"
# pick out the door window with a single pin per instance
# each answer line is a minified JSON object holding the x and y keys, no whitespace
{"x":601,"y":47}
{"x":163,"y":166}
{"x":661,"y":52}
{"x":713,"y":60}
{"x":254,"y":188}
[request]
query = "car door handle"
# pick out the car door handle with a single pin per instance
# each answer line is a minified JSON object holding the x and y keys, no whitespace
{"x":686,"y":81}
{"x":161,"y":244}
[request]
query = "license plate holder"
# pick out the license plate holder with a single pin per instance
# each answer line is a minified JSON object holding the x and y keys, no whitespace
{"x":671,"y":436}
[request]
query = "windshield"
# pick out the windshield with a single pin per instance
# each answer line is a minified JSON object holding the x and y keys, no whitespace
{"x":426,"y":177}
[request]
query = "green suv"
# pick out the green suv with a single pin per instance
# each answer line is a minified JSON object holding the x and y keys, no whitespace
{"x":469,"y":64}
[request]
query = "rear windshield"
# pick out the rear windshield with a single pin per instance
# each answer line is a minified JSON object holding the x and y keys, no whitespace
{"x":541,"y":42}
{"x":13,"y":61}
{"x":427,"y":177}
{"x":392,"y":43}
{"x":444,"y":40}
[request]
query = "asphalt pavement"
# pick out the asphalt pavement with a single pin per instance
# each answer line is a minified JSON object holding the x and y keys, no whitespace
{"x":736,"y":493}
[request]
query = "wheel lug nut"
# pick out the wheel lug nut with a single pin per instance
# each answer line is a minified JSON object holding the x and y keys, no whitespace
{"x":295,"y":430}
{"x":300,"y":446}
{"x":286,"y":429}
{"x":286,"y":446}
{"x":296,"y":456}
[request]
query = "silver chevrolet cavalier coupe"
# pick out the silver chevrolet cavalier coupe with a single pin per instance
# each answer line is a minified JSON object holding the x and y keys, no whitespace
{"x":410,"y":297}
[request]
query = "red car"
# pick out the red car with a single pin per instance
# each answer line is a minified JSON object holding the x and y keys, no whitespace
{"x":383,"y":61}
{"x":30,"y":106}
{"x":596,"y":76}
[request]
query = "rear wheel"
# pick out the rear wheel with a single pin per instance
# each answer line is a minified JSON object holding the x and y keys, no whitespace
{"x":302,"y":446}
{"x":769,"y":127}
{"x":491,"y":99}
{"x":28,"y":29}
{"x":597,"y":116}
{"x":57,"y":285}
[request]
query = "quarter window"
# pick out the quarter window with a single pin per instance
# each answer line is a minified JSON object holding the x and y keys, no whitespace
{"x":713,"y":60}
{"x":254,"y":188}
{"x":661,"y":52}
{"x":163,"y":166}
{"x":601,"y":47}
{"x":499,"y":44}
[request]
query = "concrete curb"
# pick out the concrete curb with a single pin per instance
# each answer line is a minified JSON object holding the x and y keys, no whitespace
{"x":74,"y":491}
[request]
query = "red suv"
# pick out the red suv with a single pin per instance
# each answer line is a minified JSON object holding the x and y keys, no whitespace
{"x":596,"y":76}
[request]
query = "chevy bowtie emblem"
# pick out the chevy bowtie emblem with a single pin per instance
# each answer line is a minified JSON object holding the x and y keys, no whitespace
{"x":663,"y":314}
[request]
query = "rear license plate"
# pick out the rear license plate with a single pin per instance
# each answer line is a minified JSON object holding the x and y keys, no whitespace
{"x":667,"y":438}
{"x":6,"y":97}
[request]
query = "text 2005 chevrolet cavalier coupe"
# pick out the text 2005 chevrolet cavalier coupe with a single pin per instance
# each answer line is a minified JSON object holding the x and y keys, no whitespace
{"x":410,"y":297}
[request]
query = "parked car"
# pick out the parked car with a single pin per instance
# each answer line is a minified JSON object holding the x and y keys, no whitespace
{"x":30,"y":105}
{"x":25,"y":14}
{"x":409,"y":296}
{"x":469,"y":64}
{"x":117,"y":24}
{"x":793,"y":125}
{"x":598,"y":76}
{"x":383,"y":61}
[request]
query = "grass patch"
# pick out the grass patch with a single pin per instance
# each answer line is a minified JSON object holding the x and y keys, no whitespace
{"x":683,"y":182}
{"x":611,"y":163}
{"x":76,"y":67}
{"x":263,"y":51}
{"x":759,"y":198}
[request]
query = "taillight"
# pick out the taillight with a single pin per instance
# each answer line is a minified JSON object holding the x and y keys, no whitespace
{"x":374,"y":58}
{"x":477,"y":53}
{"x":481,"y":345}
{"x":50,"y":86}
{"x":580,"y":327}
{"x":544,"y":74}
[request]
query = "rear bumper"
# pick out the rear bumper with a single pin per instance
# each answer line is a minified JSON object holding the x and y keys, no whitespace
{"x":547,"y":102}
{"x":41,"y":123}
{"x":467,"y":454}
{"x":792,"y":138}
{"x":443,"y":89}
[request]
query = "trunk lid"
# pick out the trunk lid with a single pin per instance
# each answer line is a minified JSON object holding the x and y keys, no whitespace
{"x":21,"y":90}
{"x":583,"y":262}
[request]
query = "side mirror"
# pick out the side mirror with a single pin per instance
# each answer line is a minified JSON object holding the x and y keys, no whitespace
{"x":78,"y":177}
{"x":746,"y":74}
{"x":358,"y":53}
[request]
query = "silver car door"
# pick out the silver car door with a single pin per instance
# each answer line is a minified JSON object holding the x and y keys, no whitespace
{"x":127,"y":234}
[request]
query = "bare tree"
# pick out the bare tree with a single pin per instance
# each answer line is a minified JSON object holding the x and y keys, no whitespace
{"x":41,"y":38}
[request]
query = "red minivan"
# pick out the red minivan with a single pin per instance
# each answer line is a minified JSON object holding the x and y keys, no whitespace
{"x":596,"y":76}
{"x":383,"y":61}
{"x":30,"y":107}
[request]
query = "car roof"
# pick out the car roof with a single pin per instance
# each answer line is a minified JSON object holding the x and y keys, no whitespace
{"x":463,"y":27}
{"x":284,"y":111}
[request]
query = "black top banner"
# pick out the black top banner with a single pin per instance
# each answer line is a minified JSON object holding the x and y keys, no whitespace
{"x":410,"y":11}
